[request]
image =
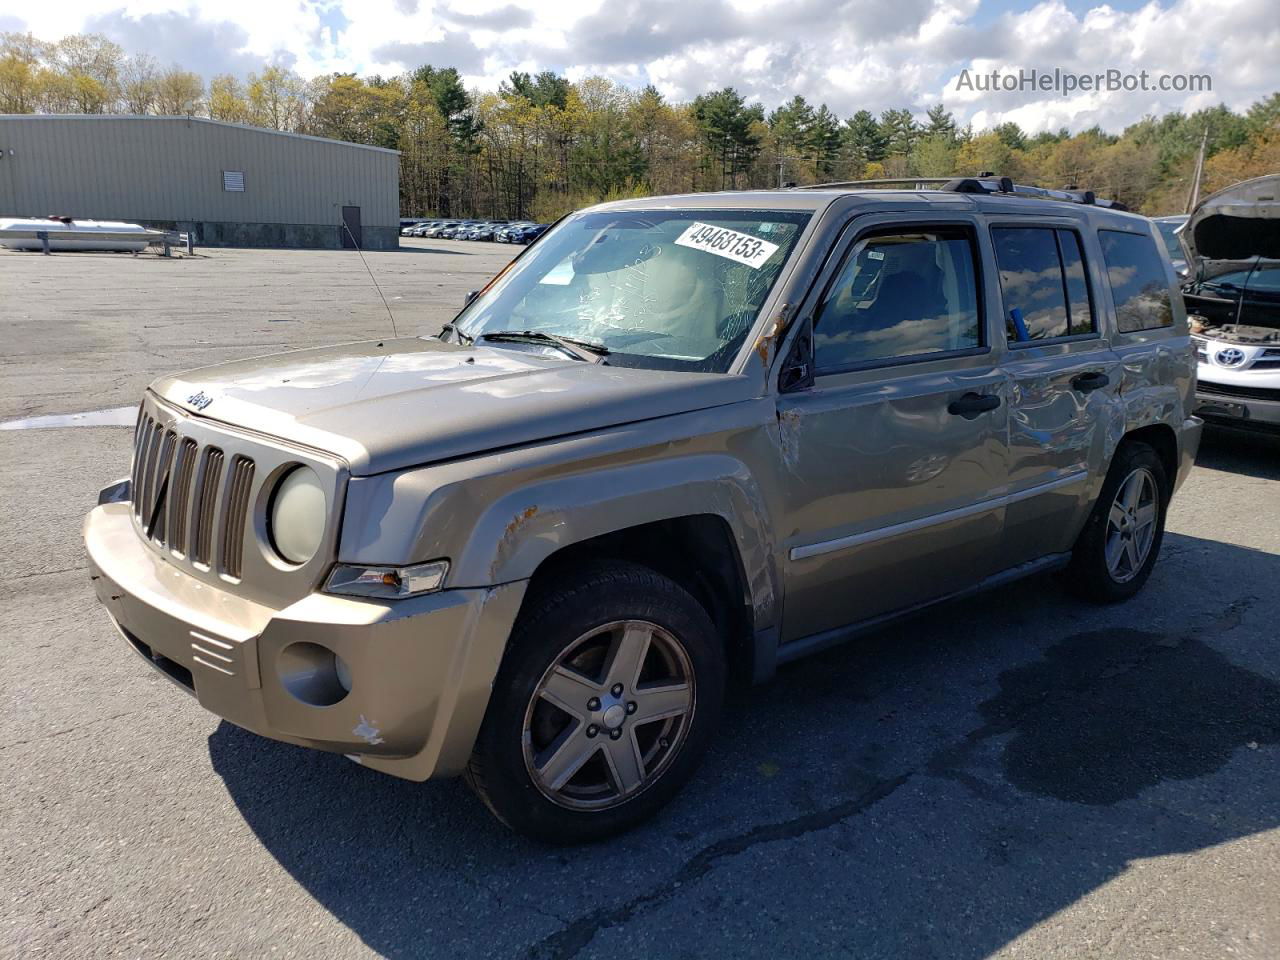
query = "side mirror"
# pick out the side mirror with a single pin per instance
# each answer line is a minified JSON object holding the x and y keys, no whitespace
{"x":471,"y":295}
{"x":797,"y":369}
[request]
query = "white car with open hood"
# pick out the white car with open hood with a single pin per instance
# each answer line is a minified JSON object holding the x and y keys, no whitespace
{"x":1233,"y":295}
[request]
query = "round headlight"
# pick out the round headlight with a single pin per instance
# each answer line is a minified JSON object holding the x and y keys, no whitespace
{"x":298,"y":515}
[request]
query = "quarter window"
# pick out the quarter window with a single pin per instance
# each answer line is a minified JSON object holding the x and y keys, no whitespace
{"x":1042,"y":280}
{"x":1139,"y":287}
{"x":899,"y":295}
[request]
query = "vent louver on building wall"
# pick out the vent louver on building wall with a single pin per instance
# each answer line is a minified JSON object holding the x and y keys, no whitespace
{"x":233,"y":181}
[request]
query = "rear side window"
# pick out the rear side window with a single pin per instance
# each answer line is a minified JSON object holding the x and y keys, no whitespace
{"x":1078,"y":301}
{"x":1136,"y":273}
{"x":1042,"y":280}
{"x":903,"y":295}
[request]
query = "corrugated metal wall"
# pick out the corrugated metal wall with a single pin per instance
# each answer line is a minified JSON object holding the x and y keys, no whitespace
{"x":170,"y":169}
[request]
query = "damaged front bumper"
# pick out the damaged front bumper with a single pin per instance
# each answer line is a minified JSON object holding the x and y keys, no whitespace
{"x":400,"y":685}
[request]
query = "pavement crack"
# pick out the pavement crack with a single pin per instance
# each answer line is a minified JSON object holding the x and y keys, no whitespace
{"x":1232,"y":616}
{"x":65,"y":730}
{"x":570,"y":941}
{"x":504,"y":904}
{"x":48,"y":573}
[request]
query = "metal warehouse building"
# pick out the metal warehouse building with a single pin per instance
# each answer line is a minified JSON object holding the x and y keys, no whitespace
{"x":231,"y":185}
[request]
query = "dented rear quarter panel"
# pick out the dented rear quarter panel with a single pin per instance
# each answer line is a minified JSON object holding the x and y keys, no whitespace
{"x":1158,"y":367}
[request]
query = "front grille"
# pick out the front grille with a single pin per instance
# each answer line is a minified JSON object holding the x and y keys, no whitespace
{"x":1243,"y":393}
{"x":183,"y":472}
{"x":237,"y":509}
{"x":207,"y":505}
{"x":178,"y":490}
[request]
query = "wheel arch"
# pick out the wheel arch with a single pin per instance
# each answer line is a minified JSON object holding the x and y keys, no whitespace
{"x":697,"y":551}
{"x":699,"y":519}
{"x":1164,"y":441}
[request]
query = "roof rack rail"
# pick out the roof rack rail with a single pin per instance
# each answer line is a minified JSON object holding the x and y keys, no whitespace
{"x":1005,"y":185}
{"x":917,"y":183}
{"x":985,"y":183}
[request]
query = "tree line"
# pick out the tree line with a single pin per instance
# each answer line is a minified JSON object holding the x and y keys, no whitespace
{"x":540,"y":145}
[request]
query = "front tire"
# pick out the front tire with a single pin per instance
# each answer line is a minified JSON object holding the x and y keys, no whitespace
{"x":1118,"y":547}
{"x":607,"y":698}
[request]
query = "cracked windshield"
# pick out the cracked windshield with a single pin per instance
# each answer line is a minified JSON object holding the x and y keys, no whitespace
{"x":665,"y":289}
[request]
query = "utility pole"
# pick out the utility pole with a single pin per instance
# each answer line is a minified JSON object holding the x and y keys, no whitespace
{"x":1193,"y":195}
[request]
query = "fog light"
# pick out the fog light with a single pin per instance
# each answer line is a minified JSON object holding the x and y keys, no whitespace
{"x":343,"y":672}
{"x":311,"y":674}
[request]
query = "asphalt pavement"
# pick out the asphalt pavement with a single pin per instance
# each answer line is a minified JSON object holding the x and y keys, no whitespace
{"x":1017,"y":775}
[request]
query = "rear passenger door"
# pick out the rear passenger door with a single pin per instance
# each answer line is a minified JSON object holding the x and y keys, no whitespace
{"x":1064,"y":380}
{"x":892,"y":462}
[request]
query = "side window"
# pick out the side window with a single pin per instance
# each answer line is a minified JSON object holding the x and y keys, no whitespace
{"x":898,"y":295}
{"x":1137,"y":278}
{"x":1078,"y":302}
{"x":1043,"y":283}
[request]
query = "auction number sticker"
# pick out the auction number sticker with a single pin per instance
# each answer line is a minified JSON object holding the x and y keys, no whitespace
{"x":730,"y":244}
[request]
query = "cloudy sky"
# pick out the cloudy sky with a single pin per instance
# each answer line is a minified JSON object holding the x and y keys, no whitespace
{"x":850,"y":54}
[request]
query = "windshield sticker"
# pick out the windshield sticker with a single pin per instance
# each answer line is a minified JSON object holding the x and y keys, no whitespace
{"x":560,"y":276}
{"x":730,"y":244}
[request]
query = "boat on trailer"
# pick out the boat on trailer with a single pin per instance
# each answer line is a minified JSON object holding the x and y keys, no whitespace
{"x":66,"y":233}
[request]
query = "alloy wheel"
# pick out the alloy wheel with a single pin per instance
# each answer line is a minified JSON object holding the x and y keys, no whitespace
{"x":1131,"y":525}
{"x":609,"y":715}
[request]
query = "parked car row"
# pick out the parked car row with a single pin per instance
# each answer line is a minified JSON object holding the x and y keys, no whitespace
{"x":497,"y":231}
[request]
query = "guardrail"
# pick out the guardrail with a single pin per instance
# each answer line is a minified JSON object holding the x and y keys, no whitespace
{"x":165,"y":239}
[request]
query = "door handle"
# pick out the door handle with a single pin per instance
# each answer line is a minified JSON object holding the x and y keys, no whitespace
{"x":1085,"y":382}
{"x":972,"y":404}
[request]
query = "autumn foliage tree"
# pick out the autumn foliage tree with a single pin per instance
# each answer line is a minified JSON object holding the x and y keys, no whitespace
{"x":540,"y":145}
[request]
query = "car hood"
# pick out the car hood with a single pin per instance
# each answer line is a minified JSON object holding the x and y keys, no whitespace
{"x":389,"y":404}
{"x":1239,"y":223}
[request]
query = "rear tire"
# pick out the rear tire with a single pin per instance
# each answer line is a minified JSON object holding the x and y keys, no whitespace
{"x":607,"y":698}
{"x":1116,"y":551}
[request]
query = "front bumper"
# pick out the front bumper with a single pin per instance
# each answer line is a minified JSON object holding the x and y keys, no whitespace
{"x":1230,"y":407}
{"x":421,"y":669}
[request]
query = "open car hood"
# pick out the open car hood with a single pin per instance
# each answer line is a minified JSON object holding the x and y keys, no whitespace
{"x":1238,"y":223}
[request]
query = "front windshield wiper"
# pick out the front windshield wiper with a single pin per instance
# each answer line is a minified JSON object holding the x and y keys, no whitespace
{"x":578,"y":349}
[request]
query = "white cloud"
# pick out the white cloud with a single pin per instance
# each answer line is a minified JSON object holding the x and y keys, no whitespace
{"x":851,"y":54}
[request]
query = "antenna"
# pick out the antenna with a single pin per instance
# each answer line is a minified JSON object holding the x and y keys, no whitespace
{"x":1193,"y":197}
{"x":356,"y":244}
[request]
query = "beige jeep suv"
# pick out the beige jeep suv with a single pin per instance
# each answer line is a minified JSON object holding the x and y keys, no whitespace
{"x":677,"y":439}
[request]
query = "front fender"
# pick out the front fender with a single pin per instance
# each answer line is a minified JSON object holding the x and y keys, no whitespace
{"x":519,"y":531}
{"x":497,"y":517}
